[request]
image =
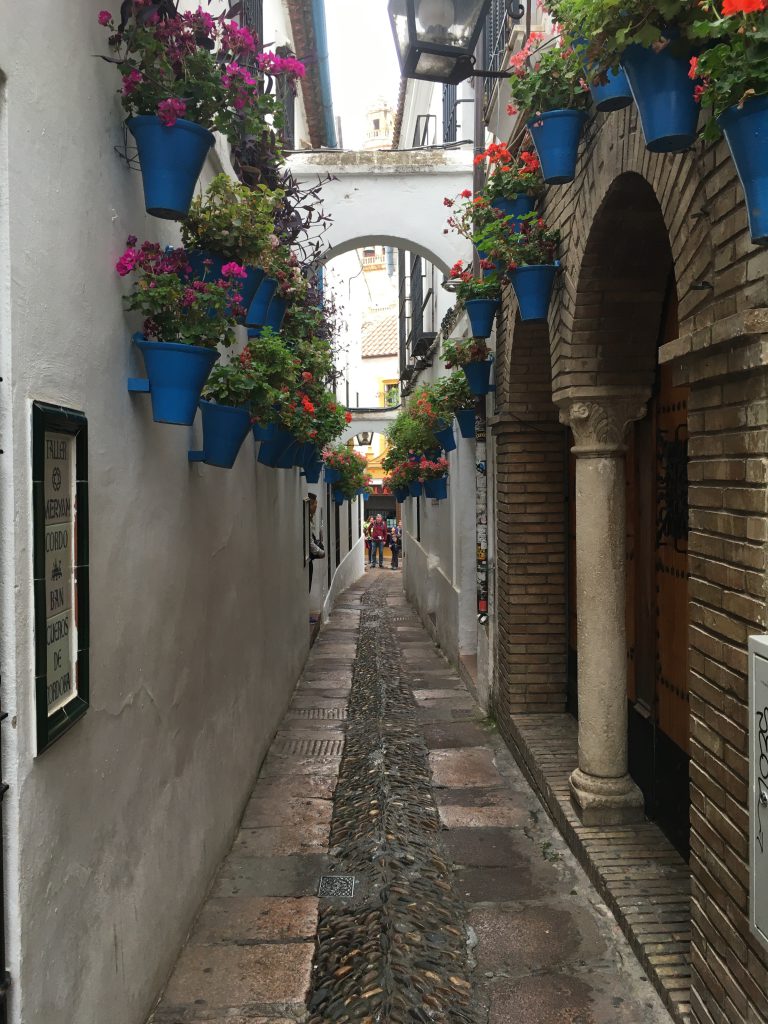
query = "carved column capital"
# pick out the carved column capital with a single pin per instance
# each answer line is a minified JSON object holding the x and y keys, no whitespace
{"x":599,"y":423}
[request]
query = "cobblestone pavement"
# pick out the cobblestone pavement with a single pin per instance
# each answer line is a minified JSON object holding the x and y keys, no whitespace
{"x":466,"y":907}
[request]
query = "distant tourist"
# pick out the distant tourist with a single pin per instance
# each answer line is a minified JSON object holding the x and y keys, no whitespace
{"x":379,"y":534}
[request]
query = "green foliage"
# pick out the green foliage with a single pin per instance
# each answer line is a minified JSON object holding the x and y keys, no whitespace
{"x":257,"y":377}
{"x":459,"y":353}
{"x":407,"y":434}
{"x":555,"y":81}
{"x":232,"y":220}
{"x":533,"y":244}
{"x":350,"y":465}
{"x":451,"y":393}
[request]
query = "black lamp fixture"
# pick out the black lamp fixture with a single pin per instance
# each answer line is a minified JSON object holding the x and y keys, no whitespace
{"x":364,"y":438}
{"x":436,"y":39}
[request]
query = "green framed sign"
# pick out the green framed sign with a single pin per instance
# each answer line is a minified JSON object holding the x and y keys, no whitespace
{"x":60,"y":522}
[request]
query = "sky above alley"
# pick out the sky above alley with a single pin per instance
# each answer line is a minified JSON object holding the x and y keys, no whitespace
{"x":363,"y":62}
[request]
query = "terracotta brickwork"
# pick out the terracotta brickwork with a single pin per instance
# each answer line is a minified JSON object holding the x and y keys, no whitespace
{"x":629,"y":219}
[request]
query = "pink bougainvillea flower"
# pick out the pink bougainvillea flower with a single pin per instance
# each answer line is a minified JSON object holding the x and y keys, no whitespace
{"x":170,"y":110}
{"x":233,"y":270}
{"x":104,"y":17}
{"x":127,"y":262}
{"x":131,"y":80}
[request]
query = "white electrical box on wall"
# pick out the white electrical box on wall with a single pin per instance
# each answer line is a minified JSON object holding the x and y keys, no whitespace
{"x":758,"y":787}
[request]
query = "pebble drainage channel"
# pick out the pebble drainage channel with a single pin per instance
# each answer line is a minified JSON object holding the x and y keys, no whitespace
{"x":397,"y":952}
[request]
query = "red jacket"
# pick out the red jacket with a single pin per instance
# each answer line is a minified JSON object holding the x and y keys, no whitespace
{"x":379,"y":531}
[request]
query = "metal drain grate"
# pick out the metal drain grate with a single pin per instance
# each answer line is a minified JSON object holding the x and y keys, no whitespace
{"x":329,"y":714}
{"x":339,"y":886}
{"x":310,"y":748}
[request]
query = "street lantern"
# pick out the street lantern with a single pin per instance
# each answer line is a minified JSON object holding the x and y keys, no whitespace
{"x":436,"y":39}
{"x":364,"y":438}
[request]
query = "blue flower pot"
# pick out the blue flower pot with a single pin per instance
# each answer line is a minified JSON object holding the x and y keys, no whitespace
{"x":304,"y":451}
{"x":224,"y":430}
{"x":245,"y":286}
{"x":517,"y":208}
{"x":663,"y":93}
{"x":332,"y":476}
{"x":437,"y":489}
{"x":278,"y":452}
{"x":446,"y":439}
{"x":176,"y":374}
{"x":478,"y":377}
{"x":556,"y":136}
{"x":481,"y":313}
{"x":614,"y":95}
{"x":466,"y":420}
{"x":746,"y":132}
{"x":401,"y":494}
{"x":313,"y":468}
{"x":264,"y":433}
{"x":415,"y":488}
{"x":533,"y":288}
{"x":338,"y":496}
{"x":257,"y":311}
{"x":171,"y":159}
{"x":276,"y":313}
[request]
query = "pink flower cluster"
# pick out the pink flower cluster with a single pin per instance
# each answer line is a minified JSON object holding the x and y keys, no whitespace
{"x":133,"y":79}
{"x":170,"y":110}
{"x":238,"y":40}
{"x":104,"y":17}
{"x":273,"y":64}
{"x":240,"y":81}
{"x":150,"y":258}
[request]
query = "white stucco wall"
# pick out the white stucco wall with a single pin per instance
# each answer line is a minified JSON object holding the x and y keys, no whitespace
{"x":198,"y":593}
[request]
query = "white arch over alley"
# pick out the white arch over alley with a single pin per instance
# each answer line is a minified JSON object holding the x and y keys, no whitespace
{"x":389,"y":198}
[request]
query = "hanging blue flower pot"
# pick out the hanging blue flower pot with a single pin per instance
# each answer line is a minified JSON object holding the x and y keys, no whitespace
{"x":278,"y":452}
{"x":533,"y":288}
{"x":746,"y":132}
{"x":267,"y":432}
{"x":332,"y":476}
{"x":518,"y":207}
{"x":556,"y":136}
{"x":478,"y":377}
{"x":224,"y":430}
{"x":466,"y":420}
{"x":481,"y":313}
{"x":276,"y":313}
{"x":446,"y":439}
{"x":401,"y":493}
{"x":415,"y":488}
{"x":615,"y":93}
{"x":304,"y":451}
{"x":437,"y":489}
{"x":257,"y":311}
{"x":176,"y":374}
{"x":338,"y":496}
{"x":313,"y":468}
{"x":171,"y":158}
{"x":663,"y":93}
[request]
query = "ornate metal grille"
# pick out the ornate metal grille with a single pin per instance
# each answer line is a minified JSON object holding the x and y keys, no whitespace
{"x":496,"y":33}
{"x":252,"y":15}
{"x":449,"y":113}
{"x":672,"y":482}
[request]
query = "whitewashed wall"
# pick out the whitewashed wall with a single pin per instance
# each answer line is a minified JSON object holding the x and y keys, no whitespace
{"x":351,"y":555}
{"x":199,"y":605}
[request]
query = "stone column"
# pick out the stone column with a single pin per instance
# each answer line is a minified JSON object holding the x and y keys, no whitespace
{"x":601,"y":789}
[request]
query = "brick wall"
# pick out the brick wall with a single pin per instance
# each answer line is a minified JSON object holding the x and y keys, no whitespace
{"x":601,"y":331}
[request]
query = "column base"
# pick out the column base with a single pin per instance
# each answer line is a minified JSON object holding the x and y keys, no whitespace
{"x":599,"y":801}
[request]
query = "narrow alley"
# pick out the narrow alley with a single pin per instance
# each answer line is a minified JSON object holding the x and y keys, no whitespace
{"x":393,"y":864}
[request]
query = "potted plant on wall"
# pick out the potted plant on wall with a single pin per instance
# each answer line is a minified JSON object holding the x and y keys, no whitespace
{"x":426,"y":408}
{"x":529,"y":258}
{"x":652,"y":41}
{"x":230,"y":222}
{"x":480,"y":296}
{"x":433,"y":473}
{"x":179,"y":335}
{"x":514,"y":183}
{"x":350,"y":469}
{"x":733,"y":71}
{"x":451,"y":395}
{"x":549,"y":84}
{"x":474,"y":358}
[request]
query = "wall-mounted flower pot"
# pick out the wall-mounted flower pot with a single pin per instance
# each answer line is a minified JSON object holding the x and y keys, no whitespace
{"x":401,"y":494}
{"x":446,"y":439}
{"x":267,"y":432}
{"x":481,"y":313}
{"x":278,"y":452}
{"x":663,"y":93}
{"x":338,"y":496}
{"x":303,"y":453}
{"x":518,"y":207}
{"x":313,"y":467}
{"x":276,"y":313}
{"x":556,"y":136}
{"x":176,"y":374}
{"x":746,"y":132}
{"x":437,"y":489}
{"x":615,"y":94}
{"x":533,"y":288}
{"x":208,"y":265}
{"x":466,"y":420}
{"x":415,"y":488}
{"x":224,"y":430}
{"x":478,"y":376}
{"x":332,"y":476}
{"x":257,"y":311}
{"x":171,"y":158}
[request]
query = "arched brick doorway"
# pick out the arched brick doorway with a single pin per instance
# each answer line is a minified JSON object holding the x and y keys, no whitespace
{"x":625,"y":308}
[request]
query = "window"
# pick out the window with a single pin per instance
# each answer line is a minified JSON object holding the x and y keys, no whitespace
{"x":375,"y":124}
{"x":285,"y":93}
{"x":449,"y":113}
{"x":391,"y":393}
{"x":252,"y":16}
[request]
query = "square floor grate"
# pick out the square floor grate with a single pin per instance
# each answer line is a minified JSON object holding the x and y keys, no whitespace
{"x":336,"y":886}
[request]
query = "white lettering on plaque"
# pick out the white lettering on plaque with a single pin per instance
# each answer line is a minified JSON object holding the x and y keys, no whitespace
{"x":60,"y":560}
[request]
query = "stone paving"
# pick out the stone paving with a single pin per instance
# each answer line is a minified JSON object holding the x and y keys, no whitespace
{"x":468,"y":905}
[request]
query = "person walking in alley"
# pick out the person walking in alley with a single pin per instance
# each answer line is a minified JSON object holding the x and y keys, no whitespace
{"x":378,"y":538}
{"x":394,"y":546}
